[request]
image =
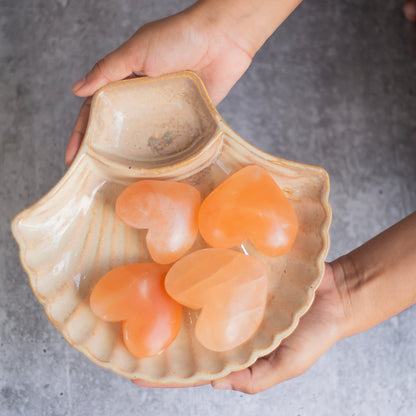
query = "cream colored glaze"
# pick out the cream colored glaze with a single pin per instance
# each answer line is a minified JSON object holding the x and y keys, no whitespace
{"x":164,"y":128}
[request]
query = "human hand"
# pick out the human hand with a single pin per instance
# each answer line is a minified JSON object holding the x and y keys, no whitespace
{"x":317,"y":331}
{"x":190,"y":40}
{"x":217,"y":39}
{"x":358,"y":291}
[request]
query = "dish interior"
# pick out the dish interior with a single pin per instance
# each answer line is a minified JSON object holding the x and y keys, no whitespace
{"x":147,"y":126}
{"x":162,"y":128}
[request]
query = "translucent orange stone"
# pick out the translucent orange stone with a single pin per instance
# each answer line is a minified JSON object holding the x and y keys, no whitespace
{"x":169,"y":210}
{"x":135,"y":294}
{"x":231,"y":289}
{"x":250,"y":205}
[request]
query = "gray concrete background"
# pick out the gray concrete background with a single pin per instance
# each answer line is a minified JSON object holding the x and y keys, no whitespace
{"x":335,"y":86}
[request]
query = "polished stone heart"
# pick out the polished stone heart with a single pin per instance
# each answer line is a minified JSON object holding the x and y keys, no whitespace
{"x":229,"y":287}
{"x":250,"y":205}
{"x":169,"y":210}
{"x":135,"y":294}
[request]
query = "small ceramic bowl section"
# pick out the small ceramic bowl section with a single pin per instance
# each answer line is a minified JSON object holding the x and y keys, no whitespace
{"x":164,"y":128}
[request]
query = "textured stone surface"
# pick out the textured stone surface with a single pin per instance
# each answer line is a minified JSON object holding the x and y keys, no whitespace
{"x":335,"y":86}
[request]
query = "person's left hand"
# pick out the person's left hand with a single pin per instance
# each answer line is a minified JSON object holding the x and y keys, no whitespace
{"x":191,"y":40}
{"x":317,"y":331}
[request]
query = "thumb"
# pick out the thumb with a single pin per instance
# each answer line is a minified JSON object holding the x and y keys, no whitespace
{"x":117,"y":65}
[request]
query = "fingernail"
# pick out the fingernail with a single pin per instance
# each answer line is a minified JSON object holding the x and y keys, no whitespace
{"x":78,"y":85}
{"x":221,"y":385}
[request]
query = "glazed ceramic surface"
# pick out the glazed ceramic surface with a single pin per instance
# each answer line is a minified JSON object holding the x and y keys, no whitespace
{"x":164,"y":128}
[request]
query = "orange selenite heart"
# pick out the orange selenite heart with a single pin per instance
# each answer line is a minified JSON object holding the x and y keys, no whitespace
{"x":135,"y":294}
{"x":231,"y":289}
{"x":251,"y":205}
{"x":169,"y":210}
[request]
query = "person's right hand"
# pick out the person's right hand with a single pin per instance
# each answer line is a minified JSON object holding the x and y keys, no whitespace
{"x":190,"y":40}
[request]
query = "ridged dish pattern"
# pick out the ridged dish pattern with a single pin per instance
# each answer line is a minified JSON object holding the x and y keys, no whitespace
{"x":70,"y":238}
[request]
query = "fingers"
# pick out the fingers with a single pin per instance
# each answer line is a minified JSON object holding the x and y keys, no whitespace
{"x":315,"y":334}
{"x":266,"y":372}
{"x":78,"y":132}
{"x":143,"y":383}
{"x":118,"y":65}
{"x":409,"y":10}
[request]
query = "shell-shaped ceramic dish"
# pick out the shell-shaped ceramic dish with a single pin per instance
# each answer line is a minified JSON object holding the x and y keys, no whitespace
{"x":165,"y":128}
